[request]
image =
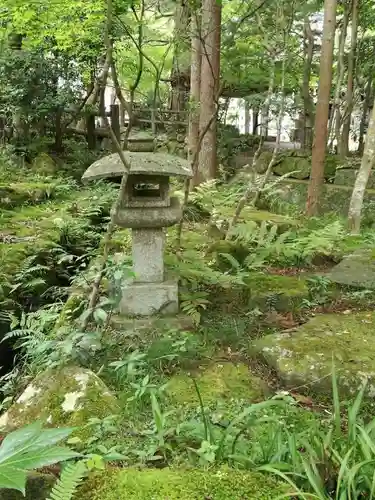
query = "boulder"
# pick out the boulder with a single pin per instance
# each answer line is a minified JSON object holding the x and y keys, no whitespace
{"x":263,"y":161}
{"x":217,"y":381}
{"x":180,"y":484}
{"x":43,"y":164}
{"x":356,"y":269}
{"x":303,"y":358}
{"x":300,"y":165}
{"x":22,"y":193}
{"x":65,"y":397}
{"x":280,"y":293}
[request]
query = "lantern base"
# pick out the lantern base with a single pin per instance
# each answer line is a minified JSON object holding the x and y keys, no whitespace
{"x":149,"y":299}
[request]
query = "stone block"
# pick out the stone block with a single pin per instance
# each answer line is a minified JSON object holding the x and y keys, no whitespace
{"x":148,"y":247}
{"x":150,"y":217}
{"x":147,"y":299}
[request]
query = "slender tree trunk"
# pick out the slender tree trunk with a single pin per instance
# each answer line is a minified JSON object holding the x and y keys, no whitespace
{"x":119,"y":94}
{"x":247,"y":116}
{"x":366,"y":106}
{"x":181,"y":58}
{"x":344,"y":150}
{"x":356,"y":202}
{"x":335,"y":118}
{"x":255,"y":120}
{"x":210,"y":75}
{"x":195,"y":87}
{"x":308,"y":105}
{"x":322,"y":109}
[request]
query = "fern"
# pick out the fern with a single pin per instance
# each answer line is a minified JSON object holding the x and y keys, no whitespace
{"x":71,"y":477}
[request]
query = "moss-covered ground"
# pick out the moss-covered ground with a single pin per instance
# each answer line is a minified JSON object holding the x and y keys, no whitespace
{"x":181,"y":485}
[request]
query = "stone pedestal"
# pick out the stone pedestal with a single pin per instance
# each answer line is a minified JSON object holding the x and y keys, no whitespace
{"x":148,"y":299}
{"x":148,"y":249}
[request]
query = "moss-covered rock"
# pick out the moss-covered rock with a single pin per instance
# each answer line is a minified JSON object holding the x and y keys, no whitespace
{"x":266,"y":292}
{"x":278,"y":292}
{"x":304,"y":357}
{"x":356,"y":269}
{"x":155,"y":484}
{"x":299,"y":165}
{"x":264,"y":160}
{"x":224,"y":380}
{"x":72,"y":308}
{"x":12,"y":195}
{"x":43,"y":164}
{"x":38,"y":487}
{"x":299,"y":162}
{"x":69,"y":396}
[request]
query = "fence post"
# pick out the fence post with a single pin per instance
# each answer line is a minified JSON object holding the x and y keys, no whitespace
{"x":90,"y":127}
{"x":115,"y":123}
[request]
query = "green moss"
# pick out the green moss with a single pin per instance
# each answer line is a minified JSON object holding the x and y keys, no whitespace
{"x":263,"y":161}
{"x":300,"y":165}
{"x":12,"y":195}
{"x":217,"y":381}
{"x":71,"y":309}
{"x":157,"y":484}
{"x":305,"y":355}
{"x":43,"y":164}
{"x":263,"y":291}
{"x":65,"y":397}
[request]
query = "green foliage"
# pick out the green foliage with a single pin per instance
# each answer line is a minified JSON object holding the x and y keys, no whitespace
{"x":193,"y":303}
{"x":71,"y":477}
{"x":29,"y":448}
{"x":336,"y":461}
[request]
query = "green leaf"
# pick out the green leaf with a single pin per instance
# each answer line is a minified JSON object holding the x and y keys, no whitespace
{"x":41,"y":458}
{"x":12,"y":478}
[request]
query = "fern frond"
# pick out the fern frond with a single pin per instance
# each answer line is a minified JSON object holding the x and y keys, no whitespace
{"x":70,"y":478}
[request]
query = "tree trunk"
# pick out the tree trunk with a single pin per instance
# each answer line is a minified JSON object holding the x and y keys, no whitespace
{"x":356,"y":202}
{"x":181,"y":58}
{"x":119,"y":94}
{"x":195,"y":87}
{"x":344,"y":150}
{"x":322,"y":108}
{"x":308,"y":105}
{"x":335,"y":118}
{"x":210,"y":75}
{"x":255,"y":120}
{"x":247,"y":116}
{"x":366,"y":106}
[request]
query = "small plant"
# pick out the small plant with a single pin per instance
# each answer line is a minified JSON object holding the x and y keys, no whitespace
{"x":193,"y":303}
{"x":218,"y":447}
{"x":336,"y":461}
{"x":318,"y":287}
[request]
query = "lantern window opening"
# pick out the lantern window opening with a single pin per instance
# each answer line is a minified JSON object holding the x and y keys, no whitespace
{"x":146,"y":190}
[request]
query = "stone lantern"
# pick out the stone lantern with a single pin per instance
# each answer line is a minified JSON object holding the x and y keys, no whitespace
{"x":148,"y":208}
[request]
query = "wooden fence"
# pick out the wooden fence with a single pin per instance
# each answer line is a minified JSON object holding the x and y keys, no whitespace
{"x":94,"y":133}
